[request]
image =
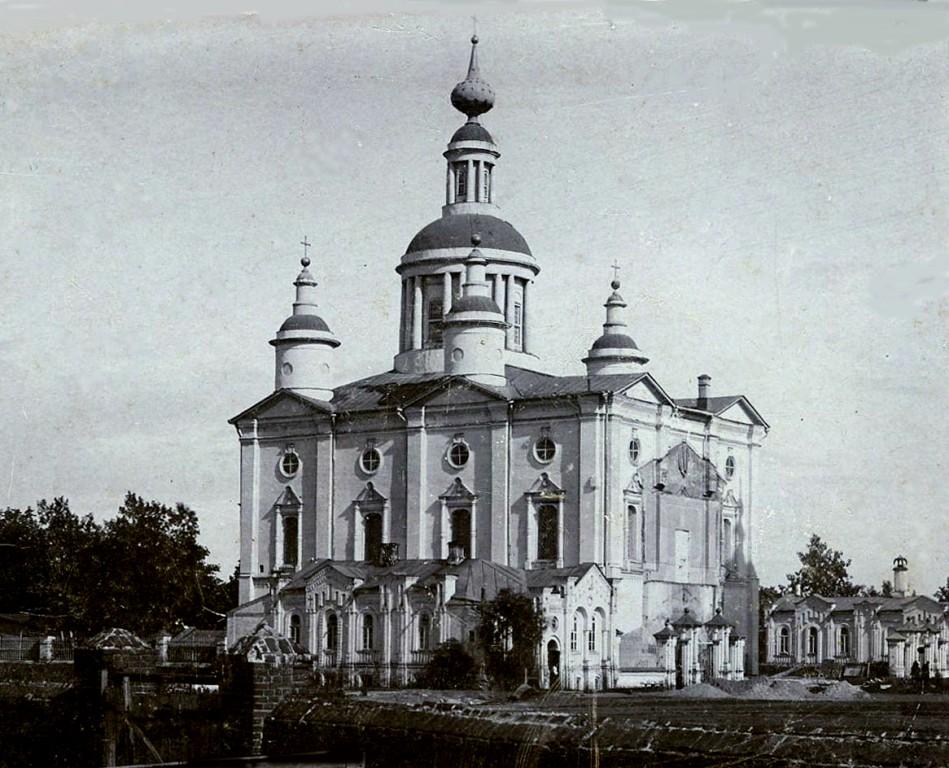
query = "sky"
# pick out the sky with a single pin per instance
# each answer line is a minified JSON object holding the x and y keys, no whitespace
{"x":772,"y":180}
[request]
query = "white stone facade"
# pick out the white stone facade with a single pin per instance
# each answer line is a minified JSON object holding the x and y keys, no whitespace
{"x":614,"y":504}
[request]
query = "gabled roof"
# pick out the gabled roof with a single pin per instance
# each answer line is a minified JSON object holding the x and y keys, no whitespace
{"x":393,"y":390}
{"x":844,"y":604}
{"x":538,"y":578}
{"x":716,"y":406}
{"x":274,"y":398}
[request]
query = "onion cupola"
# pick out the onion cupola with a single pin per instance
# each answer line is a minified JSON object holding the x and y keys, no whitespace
{"x":304,"y":344}
{"x":433,"y":267}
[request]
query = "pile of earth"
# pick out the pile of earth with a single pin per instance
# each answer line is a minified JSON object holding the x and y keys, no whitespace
{"x":776,"y":689}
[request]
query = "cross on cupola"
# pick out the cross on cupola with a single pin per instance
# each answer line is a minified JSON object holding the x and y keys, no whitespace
{"x":306,"y":244}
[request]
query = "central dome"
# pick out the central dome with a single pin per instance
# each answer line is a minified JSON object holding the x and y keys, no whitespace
{"x":455,"y":231}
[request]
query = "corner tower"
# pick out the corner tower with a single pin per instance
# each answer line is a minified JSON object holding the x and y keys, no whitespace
{"x":304,"y":344}
{"x":433,"y":266}
{"x":615,"y":351}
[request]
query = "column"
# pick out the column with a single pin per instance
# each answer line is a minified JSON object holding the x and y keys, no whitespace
{"x":473,"y":529}
{"x":445,"y":526}
{"x":449,"y":186}
{"x":472,"y":185}
{"x":446,"y":293}
{"x":417,"y":312}
{"x":498,"y":280}
{"x":508,"y":308}
{"x":525,"y":324}
{"x":405,"y":323}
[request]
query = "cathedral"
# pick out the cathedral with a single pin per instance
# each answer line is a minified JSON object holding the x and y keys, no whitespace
{"x":377,"y":515}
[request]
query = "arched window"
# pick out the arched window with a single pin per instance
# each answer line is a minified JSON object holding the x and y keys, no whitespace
{"x":332,"y":632}
{"x":373,"y":538}
{"x":632,"y":533}
{"x":728,"y":544}
{"x":485,"y":183}
{"x":461,"y":529}
{"x":591,"y":635}
{"x":433,"y":323}
{"x":295,"y":628}
{"x":367,"y":627}
{"x":461,"y":181}
{"x":573,"y":635}
{"x":424,"y":631}
{"x":291,"y":539}
{"x":843,"y":644}
{"x":548,"y":533}
{"x":784,"y":642}
{"x":812,"y":641}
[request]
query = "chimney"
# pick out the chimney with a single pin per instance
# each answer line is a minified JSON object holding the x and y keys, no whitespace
{"x":704,"y":388}
{"x":899,"y":576}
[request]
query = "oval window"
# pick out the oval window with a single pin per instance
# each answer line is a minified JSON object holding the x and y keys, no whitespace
{"x":544,"y":450}
{"x":634,"y":449}
{"x":730,"y":467}
{"x":370,"y":460}
{"x":458,"y":455}
{"x":290,"y":464}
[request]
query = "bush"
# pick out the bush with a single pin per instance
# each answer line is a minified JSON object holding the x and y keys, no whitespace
{"x":451,"y":667}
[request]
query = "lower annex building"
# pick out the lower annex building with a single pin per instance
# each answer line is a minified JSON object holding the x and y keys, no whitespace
{"x":376,"y":515}
{"x":899,"y":629}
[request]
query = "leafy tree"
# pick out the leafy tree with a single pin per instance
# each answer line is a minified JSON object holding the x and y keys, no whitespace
{"x":942,"y":594}
{"x":885,"y":590}
{"x":143,"y":570}
{"x":823,"y":572}
{"x":154,"y":574}
{"x":450,"y":667}
{"x":509,"y":631}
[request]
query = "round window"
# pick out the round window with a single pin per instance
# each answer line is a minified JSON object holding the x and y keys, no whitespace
{"x":458,"y":454}
{"x":545,"y":449}
{"x":730,"y":467}
{"x":634,"y":448}
{"x":287,"y":369}
{"x":370,"y":460}
{"x":290,"y":464}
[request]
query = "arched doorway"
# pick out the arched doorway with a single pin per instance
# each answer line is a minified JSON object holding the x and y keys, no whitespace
{"x":553,"y":664}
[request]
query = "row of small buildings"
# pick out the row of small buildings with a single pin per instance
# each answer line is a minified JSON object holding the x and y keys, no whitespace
{"x":898,"y":630}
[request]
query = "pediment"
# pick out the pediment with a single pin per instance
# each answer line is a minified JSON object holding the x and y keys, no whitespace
{"x":284,"y":404}
{"x":454,"y":391}
{"x":636,"y":484}
{"x":289,"y":498}
{"x":328,"y":576}
{"x":730,"y":499}
{"x":592,"y":581}
{"x":545,"y":488}
{"x":925,"y":604}
{"x":458,"y":490}
{"x":740,"y":412}
{"x":683,"y":472}
{"x":369,"y":495}
{"x":647,"y":389}
{"x":815,"y":604}
{"x":643,"y":392}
